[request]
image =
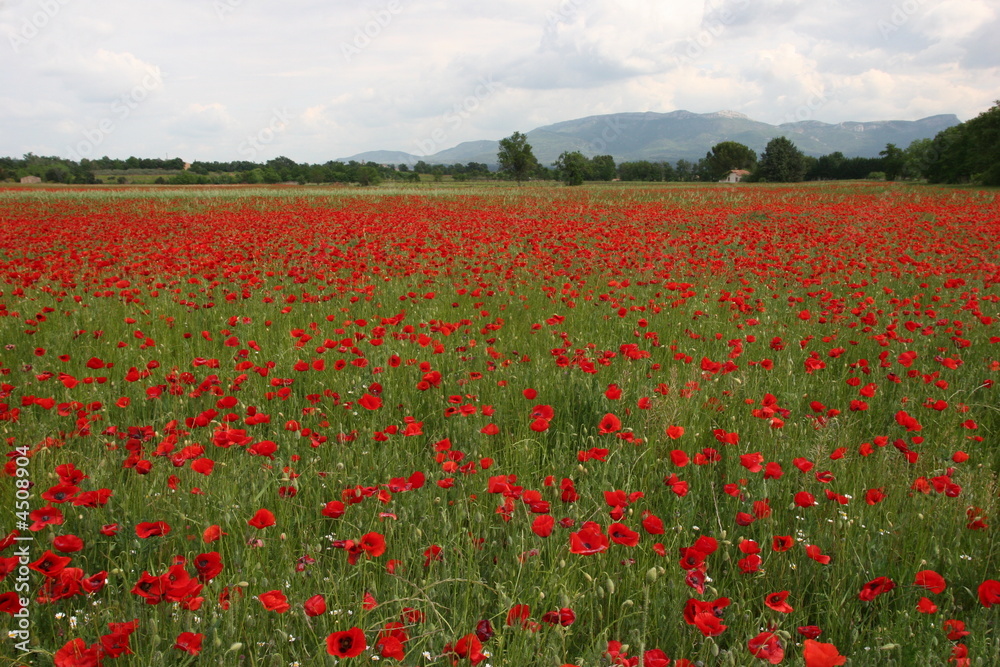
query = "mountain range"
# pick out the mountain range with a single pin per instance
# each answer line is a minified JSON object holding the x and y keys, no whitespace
{"x":682,"y":135}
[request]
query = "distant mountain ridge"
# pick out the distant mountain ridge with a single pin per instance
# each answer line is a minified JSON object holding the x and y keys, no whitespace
{"x":683,"y":135}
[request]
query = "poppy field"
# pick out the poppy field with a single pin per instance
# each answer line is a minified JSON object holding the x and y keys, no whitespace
{"x":508,"y":426}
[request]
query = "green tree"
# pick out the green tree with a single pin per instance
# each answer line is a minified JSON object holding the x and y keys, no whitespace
{"x":641,"y":170}
{"x":187,"y":178}
{"x":515,"y":156}
{"x":969,"y":151}
{"x":827,"y":167}
{"x":286,"y":168}
{"x":893,"y":161}
{"x":602,"y":168}
{"x":684,"y":171}
{"x":726,"y":156}
{"x":367,"y":175}
{"x":917,"y":157}
{"x":270,"y":175}
{"x":573,"y":167}
{"x":781,"y":162}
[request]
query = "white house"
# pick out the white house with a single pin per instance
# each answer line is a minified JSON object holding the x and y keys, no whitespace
{"x":735,"y":176}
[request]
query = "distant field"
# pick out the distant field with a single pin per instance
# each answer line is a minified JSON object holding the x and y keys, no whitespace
{"x":440,"y":424}
{"x":140,"y":176}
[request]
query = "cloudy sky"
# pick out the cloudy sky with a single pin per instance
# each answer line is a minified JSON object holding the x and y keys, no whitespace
{"x":320,"y":79}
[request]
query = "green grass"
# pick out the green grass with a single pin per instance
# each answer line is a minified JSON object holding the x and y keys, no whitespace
{"x":628,"y":594}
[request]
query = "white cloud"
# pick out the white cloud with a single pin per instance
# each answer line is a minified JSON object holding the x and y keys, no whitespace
{"x":225,"y":74}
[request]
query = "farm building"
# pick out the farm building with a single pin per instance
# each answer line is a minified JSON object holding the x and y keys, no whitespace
{"x":735,"y":176}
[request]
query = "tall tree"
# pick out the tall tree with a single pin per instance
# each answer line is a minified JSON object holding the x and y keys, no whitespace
{"x":602,"y":168}
{"x":781,"y":162}
{"x":893,"y":161}
{"x":515,"y":156}
{"x":573,"y":167}
{"x":729,"y":155}
{"x":969,"y":151}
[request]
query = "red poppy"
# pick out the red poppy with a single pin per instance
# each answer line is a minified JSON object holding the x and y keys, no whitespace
{"x":752,"y":462}
{"x":189,"y":642}
{"x":333,"y":509}
{"x":543,"y":525}
{"x":274,"y":601}
{"x":211,"y":534}
{"x":346,"y":643}
{"x":262,"y":519}
{"x":954,"y":629}
{"x":750,"y":564}
{"x":767,"y":646}
{"x":818,"y":654}
{"x":469,"y":647}
{"x":369,"y":402}
{"x":989,"y":593}
{"x":50,"y":564}
{"x":564,"y":617}
{"x":315,"y":606}
{"x":590,"y":539}
{"x":776,"y":601}
{"x":518,"y":615}
{"x":372,"y":544}
{"x":203,"y":466}
{"x":208,"y":565}
{"x":76,"y":653}
{"x":10,"y":602}
{"x":709,"y":624}
{"x":390,"y":647}
{"x":45,"y":516}
{"x":94,"y":582}
{"x":804,"y":499}
{"x":809,"y":631}
{"x":652,"y":524}
{"x":150,"y":588}
{"x":876,"y":587}
{"x":622,"y":534}
{"x":61,"y":493}
{"x":782,"y":543}
{"x":539,"y":425}
{"x":609,"y":424}
{"x":675,"y":432}
{"x":926,"y":606}
{"x":653,"y":658}
{"x":148,"y":529}
{"x":930,"y":580}
{"x":116,"y":644}
{"x":431,"y":553}
{"x":816,"y":554}
{"x":67,"y":543}
{"x":875,"y":496}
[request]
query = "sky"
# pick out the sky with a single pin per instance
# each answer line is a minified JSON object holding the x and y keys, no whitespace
{"x":316,"y":80}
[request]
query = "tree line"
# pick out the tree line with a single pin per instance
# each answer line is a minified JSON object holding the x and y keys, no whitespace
{"x":966,"y":153}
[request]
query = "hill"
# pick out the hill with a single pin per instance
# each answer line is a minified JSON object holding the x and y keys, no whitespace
{"x":683,"y":135}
